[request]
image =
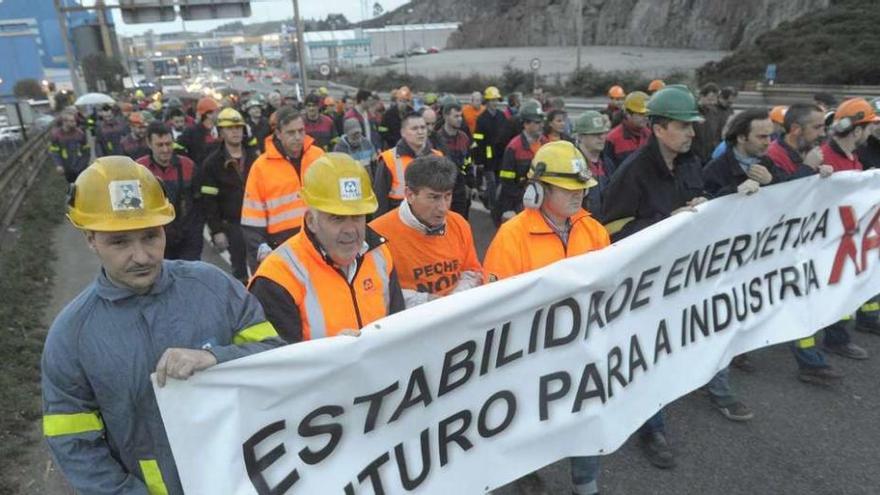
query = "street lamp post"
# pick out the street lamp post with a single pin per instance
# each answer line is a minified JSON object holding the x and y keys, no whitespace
{"x":405,"y":49}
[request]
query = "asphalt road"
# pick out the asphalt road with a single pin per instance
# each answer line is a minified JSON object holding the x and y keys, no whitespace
{"x":652,"y":62}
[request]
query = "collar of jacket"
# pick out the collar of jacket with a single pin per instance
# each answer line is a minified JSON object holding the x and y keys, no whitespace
{"x":275,"y":150}
{"x":792,"y":153}
{"x":409,"y":219}
{"x":835,"y":147}
{"x":172,"y":163}
{"x":656,"y":157}
{"x":106,"y":289}
{"x":404,"y":149}
{"x":536,"y":224}
{"x":526,"y":144}
{"x":372,"y":240}
{"x":736,"y":164}
{"x":246,"y":154}
{"x":630,"y":133}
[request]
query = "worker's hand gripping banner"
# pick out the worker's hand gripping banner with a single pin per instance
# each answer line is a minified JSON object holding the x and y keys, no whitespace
{"x":473,"y":390}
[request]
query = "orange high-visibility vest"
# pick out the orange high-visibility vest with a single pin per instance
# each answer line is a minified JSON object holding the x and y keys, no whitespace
{"x":396,"y":165}
{"x":429,"y":263}
{"x":327,"y":302}
{"x":272,"y":198}
{"x":526,"y":242}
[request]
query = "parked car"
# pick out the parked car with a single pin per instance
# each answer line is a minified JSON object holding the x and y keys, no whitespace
{"x":433,"y":49}
{"x":10,"y":134}
{"x":419,"y":50}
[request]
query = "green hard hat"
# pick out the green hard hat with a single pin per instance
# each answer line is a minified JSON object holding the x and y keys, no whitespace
{"x":675,"y":102}
{"x":592,"y":122}
{"x":430,"y":98}
{"x":449,"y":101}
{"x":531,"y":110}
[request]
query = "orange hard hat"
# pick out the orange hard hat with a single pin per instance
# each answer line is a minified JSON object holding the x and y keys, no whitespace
{"x":777,"y":114}
{"x":616,"y":92}
{"x":858,"y":110}
{"x":126,"y":107}
{"x":136,"y":119}
{"x":206,"y":104}
{"x":656,"y":85}
{"x":404,"y":93}
{"x":329,"y":101}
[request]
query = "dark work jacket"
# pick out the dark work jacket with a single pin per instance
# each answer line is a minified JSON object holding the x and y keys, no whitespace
{"x":198,"y":143}
{"x":222,"y":187}
{"x":602,"y":169}
{"x":788,"y":163}
{"x":643,"y":187}
{"x":491,"y":137}
{"x":180,"y":181}
{"x":283,"y":313}
{"x":259,"y":130}
{"x":389,"y":129}
{"x":723,"y":175}
{"x":108,"y":136}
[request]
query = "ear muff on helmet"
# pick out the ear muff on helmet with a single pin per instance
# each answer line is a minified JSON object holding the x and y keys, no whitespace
{"x":847,"y":124}
{"x":533,"y":196}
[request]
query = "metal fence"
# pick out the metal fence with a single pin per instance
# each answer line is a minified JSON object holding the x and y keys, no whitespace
{"x":19,"y":166}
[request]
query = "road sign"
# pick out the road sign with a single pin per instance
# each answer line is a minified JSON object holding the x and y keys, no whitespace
{"x":325,"y":70}
{"x":535,"y":64}
{"x":197,"y":10}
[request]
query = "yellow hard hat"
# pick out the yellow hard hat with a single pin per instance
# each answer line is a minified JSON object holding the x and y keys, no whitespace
{"x":229,"y":117}
{"x":115,"y":194}
{"x":560,"y":163}
{"x":139,"y":93}
{"x":322,"y":91}
{"x":491,"y":93}
{"x":636,"y":102}
{"x":335,"y":183}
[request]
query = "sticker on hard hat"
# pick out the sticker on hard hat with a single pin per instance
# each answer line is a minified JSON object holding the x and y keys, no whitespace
{"x":578,"y":165}
{"x":126,"y":195}
{"x":350,"y":189}
{"x":598,"y":121}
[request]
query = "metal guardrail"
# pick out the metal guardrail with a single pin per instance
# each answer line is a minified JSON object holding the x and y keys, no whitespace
{"x":17,"y":175}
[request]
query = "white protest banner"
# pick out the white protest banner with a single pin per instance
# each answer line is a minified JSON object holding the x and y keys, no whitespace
{"x":474,"y":390}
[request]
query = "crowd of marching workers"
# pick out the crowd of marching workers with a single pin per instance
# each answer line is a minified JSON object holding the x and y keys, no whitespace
{"x":338,"y":212}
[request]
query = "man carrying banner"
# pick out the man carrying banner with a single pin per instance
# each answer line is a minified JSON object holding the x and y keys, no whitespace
{"x":100,"y":415}
{"x":432,"y":246}
{"x":553,"y":226}
{"x":335,"y":275}
{"x":805,"y":132}
{"x":659,"y":180}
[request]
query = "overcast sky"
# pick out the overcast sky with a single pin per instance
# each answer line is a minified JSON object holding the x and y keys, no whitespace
{"x":261,"y":11}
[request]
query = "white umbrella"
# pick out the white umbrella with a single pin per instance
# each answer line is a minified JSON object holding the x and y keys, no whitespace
{"x":94,"y":99}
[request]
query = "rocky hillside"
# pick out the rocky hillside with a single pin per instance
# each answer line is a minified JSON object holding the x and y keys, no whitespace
{"x":701,"y":24}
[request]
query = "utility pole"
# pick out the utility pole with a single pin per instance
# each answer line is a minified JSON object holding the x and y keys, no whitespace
{"x":68,"y":52}
{"x":300,"y":47}
{"x":105,"y":33}
{"x":405,"y":52}
{"x":579,"y":26}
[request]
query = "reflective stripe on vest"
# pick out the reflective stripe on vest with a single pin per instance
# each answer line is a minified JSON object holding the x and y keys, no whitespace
{"x":397,"y":182}
{"x":382,"y":267}
{"x":314,"y":312}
